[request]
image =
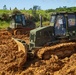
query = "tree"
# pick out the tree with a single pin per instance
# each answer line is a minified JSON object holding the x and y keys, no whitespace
{"x":10,"y":8}
{"x":24,"y":9}
{"x":30,"y":9}
{"x":36,"y":7}
{"x":15,"y":8}
{"x":34,"y":12}
{"x":16,"y":11}
{"x":5,"y":17}
{"x":4,"y":7}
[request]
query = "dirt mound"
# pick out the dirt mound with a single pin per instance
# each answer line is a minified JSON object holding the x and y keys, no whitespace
{"x":53,"y":66}
{"x":44,"y":67}
{"x":69,"y":68}
{"x":11,"y":60}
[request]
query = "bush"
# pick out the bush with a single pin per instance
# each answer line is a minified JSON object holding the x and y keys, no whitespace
{"x":5,"y":17}
{"x":4,"y":24}
{"x":46,"y":23}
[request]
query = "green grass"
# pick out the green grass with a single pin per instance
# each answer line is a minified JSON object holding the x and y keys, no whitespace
{"x":5,"y":11}
{"x":4,"y":24}
{"x":43,"y":23}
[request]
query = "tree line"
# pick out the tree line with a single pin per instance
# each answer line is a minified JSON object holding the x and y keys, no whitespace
{"x":62,"y":9}
{"x":34,"y":12}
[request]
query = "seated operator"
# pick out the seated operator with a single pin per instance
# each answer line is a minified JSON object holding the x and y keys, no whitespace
{"x":60,"y":26}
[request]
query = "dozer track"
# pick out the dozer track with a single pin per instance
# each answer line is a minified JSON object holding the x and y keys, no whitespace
{"x":61,"y":50}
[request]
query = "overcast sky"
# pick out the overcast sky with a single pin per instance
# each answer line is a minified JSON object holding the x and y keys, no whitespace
{"x":44,"y":4}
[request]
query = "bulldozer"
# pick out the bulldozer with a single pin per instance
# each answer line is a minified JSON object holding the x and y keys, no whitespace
{"x":57,"y":39}
{"x":19,"y":25}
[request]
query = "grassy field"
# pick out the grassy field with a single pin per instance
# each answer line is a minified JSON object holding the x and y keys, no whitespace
{"x":4,"y":24}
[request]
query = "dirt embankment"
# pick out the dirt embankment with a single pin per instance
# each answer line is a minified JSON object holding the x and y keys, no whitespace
{"x":11,"y":60}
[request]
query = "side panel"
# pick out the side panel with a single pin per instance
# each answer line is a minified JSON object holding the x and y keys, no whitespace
{"x":41,"y":37}
{"x":44,"y":36}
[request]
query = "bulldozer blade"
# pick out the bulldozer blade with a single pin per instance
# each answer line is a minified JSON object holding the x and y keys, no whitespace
{"x":22,"y":46}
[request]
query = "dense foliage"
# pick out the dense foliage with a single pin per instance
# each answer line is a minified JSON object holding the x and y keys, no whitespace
{"x":33,"y":14}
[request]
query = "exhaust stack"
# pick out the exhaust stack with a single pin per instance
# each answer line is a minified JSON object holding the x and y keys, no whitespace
{"x":41,"y":21}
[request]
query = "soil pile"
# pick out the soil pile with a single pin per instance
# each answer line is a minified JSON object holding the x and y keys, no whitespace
{"x":11,"y":60}
{"x":53,"y":66}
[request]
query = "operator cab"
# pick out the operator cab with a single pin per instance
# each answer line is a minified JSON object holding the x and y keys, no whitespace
{"x":64,"y":24}
{"x":18,"y":21}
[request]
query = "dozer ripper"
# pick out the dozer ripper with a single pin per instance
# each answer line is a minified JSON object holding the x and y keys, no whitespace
{"x":19,"y":25}
{"x":57,"y":39}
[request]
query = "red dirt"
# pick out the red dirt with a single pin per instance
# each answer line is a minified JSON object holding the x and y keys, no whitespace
{"x":11,"y":60}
